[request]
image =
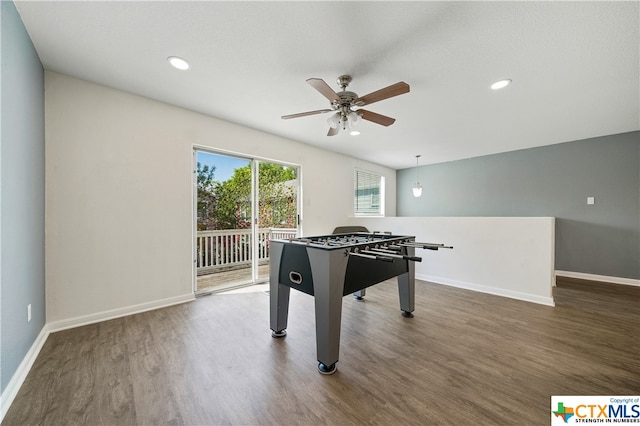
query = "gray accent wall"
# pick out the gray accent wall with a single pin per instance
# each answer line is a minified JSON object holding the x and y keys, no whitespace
{"x":554,"y":180}
{"x":21,"y":193}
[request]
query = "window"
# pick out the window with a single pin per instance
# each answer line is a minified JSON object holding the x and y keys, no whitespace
{"x":368,"y":194}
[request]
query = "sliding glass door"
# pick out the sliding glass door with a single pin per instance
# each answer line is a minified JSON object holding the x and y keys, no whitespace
{"x":277,"y":209}
{"x":239,"y":201}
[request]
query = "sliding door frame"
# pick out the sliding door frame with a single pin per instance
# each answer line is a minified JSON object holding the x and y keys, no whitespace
{"x":255,"y":162}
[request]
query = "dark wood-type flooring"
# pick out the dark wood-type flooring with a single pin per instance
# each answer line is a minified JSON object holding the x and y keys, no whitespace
{"x":465,"y":359}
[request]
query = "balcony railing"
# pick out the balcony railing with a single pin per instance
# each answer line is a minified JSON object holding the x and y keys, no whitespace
{"x":232,"y":248}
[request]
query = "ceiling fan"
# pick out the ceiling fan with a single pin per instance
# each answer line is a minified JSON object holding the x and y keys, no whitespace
{"x":344,"y":102}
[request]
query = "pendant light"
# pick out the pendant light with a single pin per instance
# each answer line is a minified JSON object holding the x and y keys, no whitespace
{"x":417,"y":188}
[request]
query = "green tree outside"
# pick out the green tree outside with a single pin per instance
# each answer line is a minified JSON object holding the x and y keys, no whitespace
{"x":206,"y":205}
{"x":227,"y":205}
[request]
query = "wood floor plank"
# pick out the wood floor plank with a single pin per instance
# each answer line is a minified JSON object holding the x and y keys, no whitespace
{"x":114,"y":403}
{"x":465,"y":358}
{"x":152,"y":391}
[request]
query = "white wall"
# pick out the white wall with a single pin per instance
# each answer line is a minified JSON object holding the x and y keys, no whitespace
{"x":119,"y":194}
{"x":507,"y":256}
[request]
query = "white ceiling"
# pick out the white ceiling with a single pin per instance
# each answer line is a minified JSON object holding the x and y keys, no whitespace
{"x":574,"y":66}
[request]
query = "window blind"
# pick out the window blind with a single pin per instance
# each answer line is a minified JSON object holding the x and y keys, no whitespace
{"x":368,"y":189}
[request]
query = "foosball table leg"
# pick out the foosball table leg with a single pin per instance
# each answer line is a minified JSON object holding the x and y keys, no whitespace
{"x":328,"y":269}
{"x":279,"y":312}
{"x":359,"y":295}
{"x":406,"y":291}
{"x":278,"y":296}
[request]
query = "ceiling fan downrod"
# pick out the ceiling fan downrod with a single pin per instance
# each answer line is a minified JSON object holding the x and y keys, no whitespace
{"x":343,"y":81}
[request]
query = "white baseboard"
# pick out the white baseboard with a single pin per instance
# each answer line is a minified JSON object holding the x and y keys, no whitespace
{"x":527,"y":297}
{"x":601,"y":278}
{"x":10,"y":392}
{"x":118,"y":312}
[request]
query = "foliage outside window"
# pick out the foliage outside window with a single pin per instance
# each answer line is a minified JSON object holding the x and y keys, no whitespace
{"x":368,"y":198}
{"x":227,"y":205}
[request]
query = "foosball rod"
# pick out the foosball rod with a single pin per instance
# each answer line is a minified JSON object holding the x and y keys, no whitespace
{"x":391,"y":254}
{"x":372,"y":256}
{"x":427,"y":246}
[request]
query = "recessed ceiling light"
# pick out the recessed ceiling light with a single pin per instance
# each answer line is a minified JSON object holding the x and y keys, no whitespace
{"x":500,"y":84}
{"x":178,"y":63}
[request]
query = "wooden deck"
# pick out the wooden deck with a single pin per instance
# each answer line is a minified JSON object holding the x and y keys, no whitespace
{"x":218,"y":281}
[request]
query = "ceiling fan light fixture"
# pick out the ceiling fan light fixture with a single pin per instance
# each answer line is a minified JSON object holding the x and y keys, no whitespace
{"x":500,"y":84}
{"x":354,"y":118}
{"x":178,"y":63}
{"x":334,"y":120}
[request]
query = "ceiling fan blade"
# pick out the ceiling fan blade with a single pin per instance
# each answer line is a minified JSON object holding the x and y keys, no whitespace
{"x":304,"y":114}
{"x":333,"y":131}
{"x":322,"y":87}
{"x":386,"y":93}
{"x":376,"y":118}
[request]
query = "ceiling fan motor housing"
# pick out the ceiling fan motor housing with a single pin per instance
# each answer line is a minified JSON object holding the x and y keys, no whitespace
{"x":347,"y":97}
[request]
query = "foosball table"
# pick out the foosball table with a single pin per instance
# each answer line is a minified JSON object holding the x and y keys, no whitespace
{"x":332,"y":266}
